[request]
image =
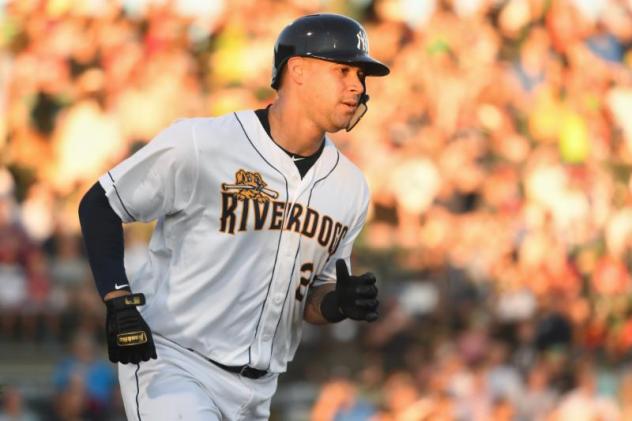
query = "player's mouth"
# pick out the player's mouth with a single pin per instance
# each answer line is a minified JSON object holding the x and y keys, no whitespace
{"x":350,"y":105}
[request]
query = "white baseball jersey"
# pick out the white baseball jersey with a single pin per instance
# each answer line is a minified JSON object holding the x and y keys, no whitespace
{"x":240,"y":236}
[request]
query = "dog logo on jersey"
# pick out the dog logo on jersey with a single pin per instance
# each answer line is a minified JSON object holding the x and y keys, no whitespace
{"x":250,"y":185}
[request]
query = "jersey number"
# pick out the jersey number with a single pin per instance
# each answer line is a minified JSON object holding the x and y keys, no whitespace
{"x":306,"y":276}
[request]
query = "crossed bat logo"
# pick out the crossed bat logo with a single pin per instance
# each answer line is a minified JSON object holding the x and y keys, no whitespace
{"x":250,"y":185}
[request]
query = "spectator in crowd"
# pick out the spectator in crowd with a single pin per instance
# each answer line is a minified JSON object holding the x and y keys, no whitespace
{"x":538,"y":399}
{"x":13,"y":406}
{"x":584,"y":403}
{"x":23,"y":275}
{"x":339,"y":400}
{"x":85,"y":371}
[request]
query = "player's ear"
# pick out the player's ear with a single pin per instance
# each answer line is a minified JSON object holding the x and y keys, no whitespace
{"x":296,"y":69}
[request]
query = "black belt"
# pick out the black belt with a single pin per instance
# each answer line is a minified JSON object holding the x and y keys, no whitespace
{"x":242,"y":370}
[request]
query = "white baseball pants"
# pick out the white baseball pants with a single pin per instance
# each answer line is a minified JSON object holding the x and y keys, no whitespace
{"x":182,"y":385}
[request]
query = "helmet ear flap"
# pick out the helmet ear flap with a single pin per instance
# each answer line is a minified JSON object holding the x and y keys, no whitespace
{"x":285,"y":51}
{"x":282,"y":53}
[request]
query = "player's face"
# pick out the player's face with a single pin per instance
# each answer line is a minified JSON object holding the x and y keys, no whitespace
{"x":333,"y":92}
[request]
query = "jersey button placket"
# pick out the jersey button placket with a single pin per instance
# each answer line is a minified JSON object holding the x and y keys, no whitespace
{"x":276,"y":308}
{"x":287,"y":252}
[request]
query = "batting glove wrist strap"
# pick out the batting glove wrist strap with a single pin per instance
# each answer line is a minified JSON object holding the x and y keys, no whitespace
{"x":330,"y":309}
{"x":129,"y":337}
{"x":126,"y":301}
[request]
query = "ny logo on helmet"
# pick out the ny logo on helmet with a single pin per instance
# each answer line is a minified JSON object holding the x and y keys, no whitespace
{"x":363,"y":41}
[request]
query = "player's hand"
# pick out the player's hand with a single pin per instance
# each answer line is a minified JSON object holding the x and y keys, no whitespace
{"x":357,"y":295}
{"x":129,"y":337}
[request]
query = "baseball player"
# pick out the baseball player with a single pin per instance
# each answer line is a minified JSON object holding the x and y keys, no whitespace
{"x":256,"y":215}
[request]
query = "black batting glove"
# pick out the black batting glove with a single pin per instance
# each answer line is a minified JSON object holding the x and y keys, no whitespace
{"x":355,"y":297}
{"x":129,"y":336}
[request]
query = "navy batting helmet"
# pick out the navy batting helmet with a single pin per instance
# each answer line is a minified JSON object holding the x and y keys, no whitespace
{"x":325,"y":36}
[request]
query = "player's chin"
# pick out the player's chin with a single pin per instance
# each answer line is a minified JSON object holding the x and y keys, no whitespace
{"x":339,"y":122}
{"x":337,"y":126}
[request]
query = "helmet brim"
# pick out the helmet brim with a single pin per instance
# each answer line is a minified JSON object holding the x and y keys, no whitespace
{"x":369,"y":65}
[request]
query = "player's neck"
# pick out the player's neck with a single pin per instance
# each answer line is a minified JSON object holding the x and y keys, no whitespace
{"x":292,"y":131}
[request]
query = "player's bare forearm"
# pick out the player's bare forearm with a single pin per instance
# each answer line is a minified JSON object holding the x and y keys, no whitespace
{"x":312,"y":313}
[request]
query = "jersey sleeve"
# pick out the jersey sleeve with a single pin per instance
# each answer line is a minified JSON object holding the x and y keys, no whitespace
{"x":159,"y":179}
{"x":328,"y":274}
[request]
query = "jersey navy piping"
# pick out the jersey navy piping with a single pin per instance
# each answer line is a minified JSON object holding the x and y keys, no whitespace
{"x":276,"y":256}
{"x":137,"y":391}
{"x":298,"y":249}
{"x":318,"y":181}
{"x":197,"y":162}
{"x":119,"y":197}
{"x":325,"y":176}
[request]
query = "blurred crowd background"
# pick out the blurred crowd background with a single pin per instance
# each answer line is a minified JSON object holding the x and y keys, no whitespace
{"x":498,"y":152}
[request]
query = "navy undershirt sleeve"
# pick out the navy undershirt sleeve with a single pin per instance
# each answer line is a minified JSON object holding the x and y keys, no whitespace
{"x":103,"y":237}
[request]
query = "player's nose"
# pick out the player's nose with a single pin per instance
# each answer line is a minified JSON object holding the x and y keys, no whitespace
{"x":355,"y":82}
